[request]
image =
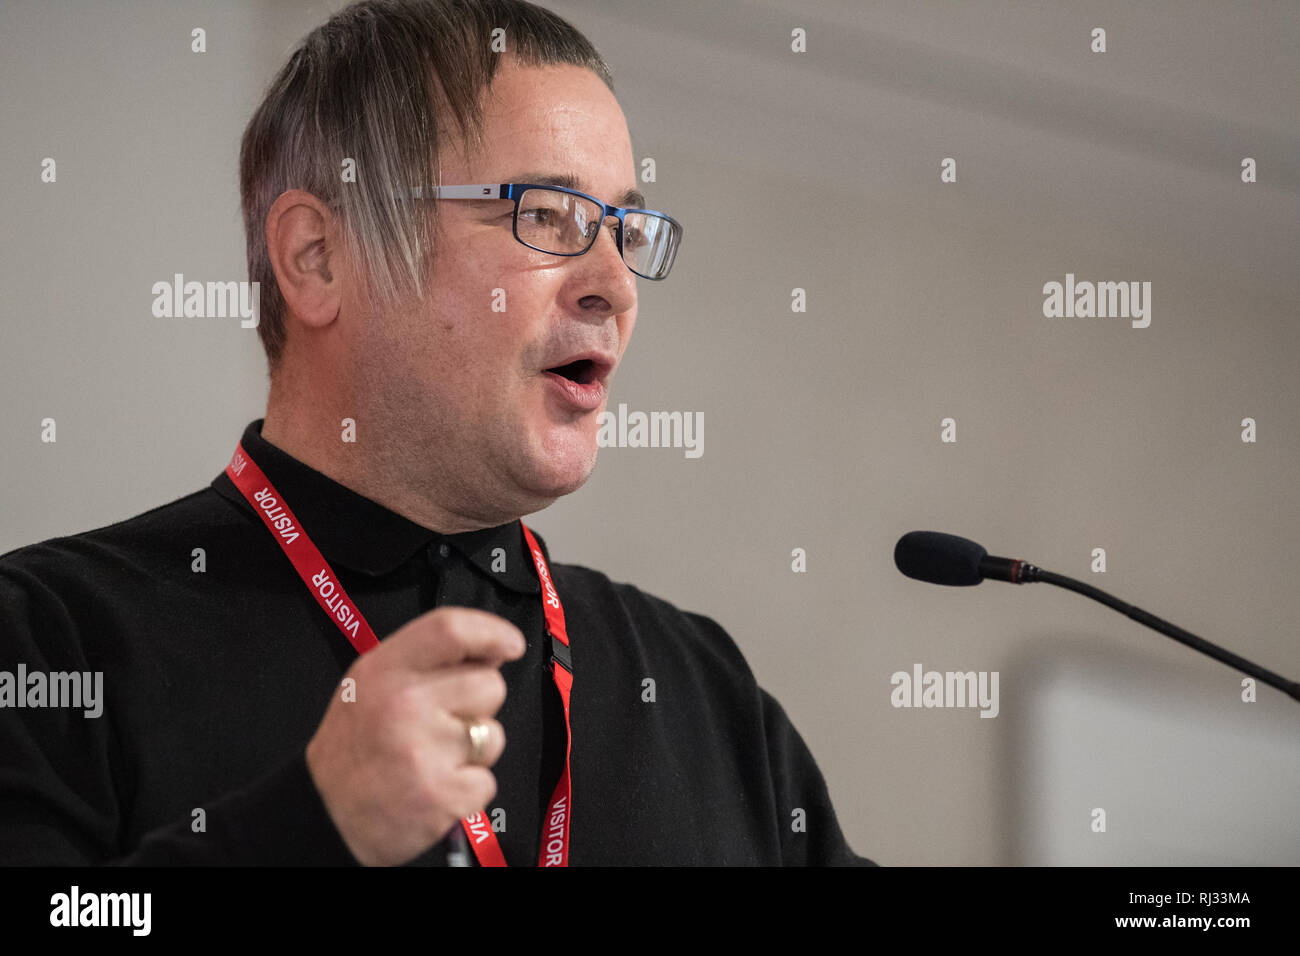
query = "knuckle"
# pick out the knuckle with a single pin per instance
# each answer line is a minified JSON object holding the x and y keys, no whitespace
{"x":484,"y":787}
{"x":484,"y":685}
{"x":439,"y":621}
{"x":407,"y":702}
{"x":468,"y":792}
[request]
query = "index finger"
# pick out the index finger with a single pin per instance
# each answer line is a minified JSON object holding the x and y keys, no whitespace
{"x":447,"y":636}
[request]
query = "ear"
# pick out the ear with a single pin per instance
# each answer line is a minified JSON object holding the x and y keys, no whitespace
{"x":302,"y":239}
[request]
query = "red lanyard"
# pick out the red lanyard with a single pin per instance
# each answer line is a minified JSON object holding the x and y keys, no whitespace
{"x":325,"y":587}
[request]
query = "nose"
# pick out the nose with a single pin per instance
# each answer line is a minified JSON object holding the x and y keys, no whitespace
{"x":611,"y":285}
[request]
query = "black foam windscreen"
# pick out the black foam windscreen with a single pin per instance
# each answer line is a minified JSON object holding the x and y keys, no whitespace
{"x":939,"y":558}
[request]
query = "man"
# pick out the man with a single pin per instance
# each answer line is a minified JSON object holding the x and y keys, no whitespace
{"x":442,"y":311}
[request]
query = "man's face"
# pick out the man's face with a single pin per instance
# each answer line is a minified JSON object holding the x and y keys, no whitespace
{"x":464,"y":374}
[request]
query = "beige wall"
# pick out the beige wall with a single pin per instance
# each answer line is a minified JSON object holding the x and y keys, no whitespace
{"x":820,"y":171}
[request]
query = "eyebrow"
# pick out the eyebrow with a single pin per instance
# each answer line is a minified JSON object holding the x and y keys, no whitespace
{"x":632,"y":199}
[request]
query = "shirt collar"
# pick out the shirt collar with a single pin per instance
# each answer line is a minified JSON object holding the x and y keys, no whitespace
{"x":356,"y":533}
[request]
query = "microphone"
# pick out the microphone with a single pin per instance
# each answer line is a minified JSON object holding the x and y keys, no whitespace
{"x":939,"y":558}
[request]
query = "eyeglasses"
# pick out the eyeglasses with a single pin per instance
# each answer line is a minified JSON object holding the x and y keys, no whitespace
{"x":565,"y":222}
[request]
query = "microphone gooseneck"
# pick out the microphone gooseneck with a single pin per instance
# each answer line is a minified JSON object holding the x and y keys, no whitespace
{"x":947,"y":559}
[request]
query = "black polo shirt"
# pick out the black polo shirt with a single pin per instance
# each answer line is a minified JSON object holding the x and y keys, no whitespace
{"x":218,"y":665}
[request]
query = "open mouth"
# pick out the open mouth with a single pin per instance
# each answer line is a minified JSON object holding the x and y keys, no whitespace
{"x":583,"y":371}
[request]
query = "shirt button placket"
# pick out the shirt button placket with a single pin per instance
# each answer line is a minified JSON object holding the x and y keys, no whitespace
{"x":438,"y":558}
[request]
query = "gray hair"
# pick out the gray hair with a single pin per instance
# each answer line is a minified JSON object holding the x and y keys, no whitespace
{"x":376,"y":84}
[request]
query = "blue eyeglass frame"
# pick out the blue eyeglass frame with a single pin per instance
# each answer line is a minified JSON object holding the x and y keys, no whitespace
{"x":515,"y":192}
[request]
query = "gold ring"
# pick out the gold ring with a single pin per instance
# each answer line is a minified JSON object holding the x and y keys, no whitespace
{"x":479,"y":733}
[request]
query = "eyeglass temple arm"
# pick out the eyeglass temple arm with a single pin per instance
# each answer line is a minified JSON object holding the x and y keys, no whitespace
{"x":475,"y":191}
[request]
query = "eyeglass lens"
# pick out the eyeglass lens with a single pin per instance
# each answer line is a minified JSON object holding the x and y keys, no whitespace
{"x":565,"y":224}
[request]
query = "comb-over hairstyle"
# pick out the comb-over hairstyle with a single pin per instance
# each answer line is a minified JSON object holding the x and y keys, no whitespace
{"x":382,"y":83}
